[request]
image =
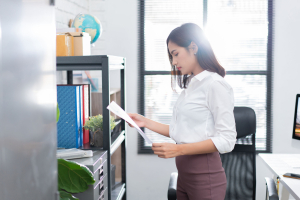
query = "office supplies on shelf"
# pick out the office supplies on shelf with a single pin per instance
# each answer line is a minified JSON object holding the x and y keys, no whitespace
{"x":86,"y":99}
{"x":73,"y":153}
{"x":86,"y":112}
{"x":68,"y":126}
{"x":115,"y":108}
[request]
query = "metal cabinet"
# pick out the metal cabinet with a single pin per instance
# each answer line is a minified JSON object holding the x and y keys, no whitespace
{"x":98,"y":166}
{"x":28,"y":164}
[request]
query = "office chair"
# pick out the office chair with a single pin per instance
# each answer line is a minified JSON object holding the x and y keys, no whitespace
{"x":271,"y":190}
{"x":239,"y":165}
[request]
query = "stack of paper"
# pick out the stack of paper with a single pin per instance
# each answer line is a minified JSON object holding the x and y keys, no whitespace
{"x":115,"y":108}
{"x":292,"y":161}
{"x":73,"y":153}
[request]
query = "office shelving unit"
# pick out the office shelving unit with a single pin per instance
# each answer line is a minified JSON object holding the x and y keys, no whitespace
{"x":105,"y":63}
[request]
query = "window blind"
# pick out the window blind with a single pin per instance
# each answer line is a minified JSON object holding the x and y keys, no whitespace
{"x":157,"y":20}
{"x":241,"y":35}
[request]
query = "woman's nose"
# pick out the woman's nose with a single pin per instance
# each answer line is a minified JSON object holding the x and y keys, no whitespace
{"x":174,"y":62}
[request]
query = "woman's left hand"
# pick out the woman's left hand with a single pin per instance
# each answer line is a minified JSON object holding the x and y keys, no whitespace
{"x":166,"y":150}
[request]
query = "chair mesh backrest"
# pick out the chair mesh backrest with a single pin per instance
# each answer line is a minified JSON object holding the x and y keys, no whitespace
{"x":239,"y":165}
{"x":239,"y":171}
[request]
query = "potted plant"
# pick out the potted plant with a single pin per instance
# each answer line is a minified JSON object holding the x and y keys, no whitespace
{"x":95,"y":125}
{"x":73,"y":178}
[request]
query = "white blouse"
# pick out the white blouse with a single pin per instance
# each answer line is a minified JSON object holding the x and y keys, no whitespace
{"x":204,"y":110}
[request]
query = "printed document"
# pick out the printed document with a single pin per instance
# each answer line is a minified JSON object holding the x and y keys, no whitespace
{"x":115,"y":108}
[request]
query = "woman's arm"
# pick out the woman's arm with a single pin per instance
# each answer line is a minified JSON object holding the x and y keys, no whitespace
{"x":142,"y":121}
{"x":206,"y":146}
{"x":157,"y":127}
{"x":170,"y":150}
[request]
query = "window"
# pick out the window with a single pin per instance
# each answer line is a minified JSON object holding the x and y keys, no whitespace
{"x":240,"y":32}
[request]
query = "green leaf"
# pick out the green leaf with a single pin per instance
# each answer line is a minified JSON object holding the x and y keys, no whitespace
{"x":73,"y":177}
{"x":57,"y":113}
{"x":66,"y":196}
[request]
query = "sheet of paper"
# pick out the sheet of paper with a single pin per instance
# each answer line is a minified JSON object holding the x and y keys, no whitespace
{"x":292,"y":161}
{"x":115,"y":108}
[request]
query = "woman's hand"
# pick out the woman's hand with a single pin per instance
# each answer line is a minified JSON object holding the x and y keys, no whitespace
{"x":140,"y":120}
{"x":166,"y":150}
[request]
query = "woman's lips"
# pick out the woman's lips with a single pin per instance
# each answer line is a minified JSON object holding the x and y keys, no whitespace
{"x":179,"y":68}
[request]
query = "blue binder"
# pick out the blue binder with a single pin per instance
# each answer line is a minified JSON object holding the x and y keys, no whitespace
{"x":68,"y":126}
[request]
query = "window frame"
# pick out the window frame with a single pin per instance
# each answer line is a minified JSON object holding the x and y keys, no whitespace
{"x":142,"y":149}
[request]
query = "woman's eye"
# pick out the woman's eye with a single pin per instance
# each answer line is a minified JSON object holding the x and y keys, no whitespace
{"x":176,"y":55}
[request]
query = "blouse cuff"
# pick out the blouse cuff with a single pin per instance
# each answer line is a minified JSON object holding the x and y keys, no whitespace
{"x":223,"y":145}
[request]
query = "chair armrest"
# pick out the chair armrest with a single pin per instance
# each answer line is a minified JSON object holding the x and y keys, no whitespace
{"x":271,"y":189}
{"x":172,"y":186}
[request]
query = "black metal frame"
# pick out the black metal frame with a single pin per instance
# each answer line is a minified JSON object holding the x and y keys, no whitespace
{"x":104,"y":63}
{"x":269,"y":74}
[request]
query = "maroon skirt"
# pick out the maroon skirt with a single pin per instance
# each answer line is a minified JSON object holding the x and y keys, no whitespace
{"x":200,"y":177}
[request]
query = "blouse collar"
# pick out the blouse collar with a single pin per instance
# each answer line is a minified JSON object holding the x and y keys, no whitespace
{"x":202,"y":75}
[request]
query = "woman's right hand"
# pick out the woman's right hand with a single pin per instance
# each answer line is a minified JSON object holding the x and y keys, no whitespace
{"x":140,"y":120}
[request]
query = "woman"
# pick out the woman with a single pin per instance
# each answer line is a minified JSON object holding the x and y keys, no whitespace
{"x":202,"y":123}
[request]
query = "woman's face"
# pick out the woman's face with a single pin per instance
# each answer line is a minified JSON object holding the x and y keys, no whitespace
{"x":183,"y":59}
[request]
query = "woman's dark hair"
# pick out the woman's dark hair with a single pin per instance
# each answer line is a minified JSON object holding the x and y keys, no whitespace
{"x":183,"y":36}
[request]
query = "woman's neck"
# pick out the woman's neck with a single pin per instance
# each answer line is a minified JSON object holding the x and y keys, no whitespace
{"x":198,"y":70}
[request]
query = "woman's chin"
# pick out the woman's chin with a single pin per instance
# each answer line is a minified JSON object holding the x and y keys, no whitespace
{"x":184,"y":73}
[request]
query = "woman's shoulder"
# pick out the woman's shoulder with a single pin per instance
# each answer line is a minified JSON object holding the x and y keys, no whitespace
{"x":216,"y":79}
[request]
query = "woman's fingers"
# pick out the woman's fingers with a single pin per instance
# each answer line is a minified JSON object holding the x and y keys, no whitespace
{"x":129,"y":124}
{"x":130,"y":115}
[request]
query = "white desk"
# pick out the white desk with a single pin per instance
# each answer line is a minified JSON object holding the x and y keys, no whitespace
{"x":278,"y":164}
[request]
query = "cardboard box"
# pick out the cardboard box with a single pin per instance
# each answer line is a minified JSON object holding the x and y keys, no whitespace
{"x":64,"y":44}
{"x":82,"y":43}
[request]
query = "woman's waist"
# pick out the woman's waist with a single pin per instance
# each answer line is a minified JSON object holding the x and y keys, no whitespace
{"x":187,"y":138}
{"x":192,"y":131}
{"x":199,"y":163}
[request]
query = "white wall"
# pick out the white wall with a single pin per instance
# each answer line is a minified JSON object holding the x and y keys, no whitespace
{"x":67,"y":9}
{"x":286,"y":83}
{"x":148,"y":175}
{"x":287,"y":70}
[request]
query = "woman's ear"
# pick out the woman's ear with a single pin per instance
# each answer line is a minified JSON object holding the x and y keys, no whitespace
{"x":193,"y":47}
